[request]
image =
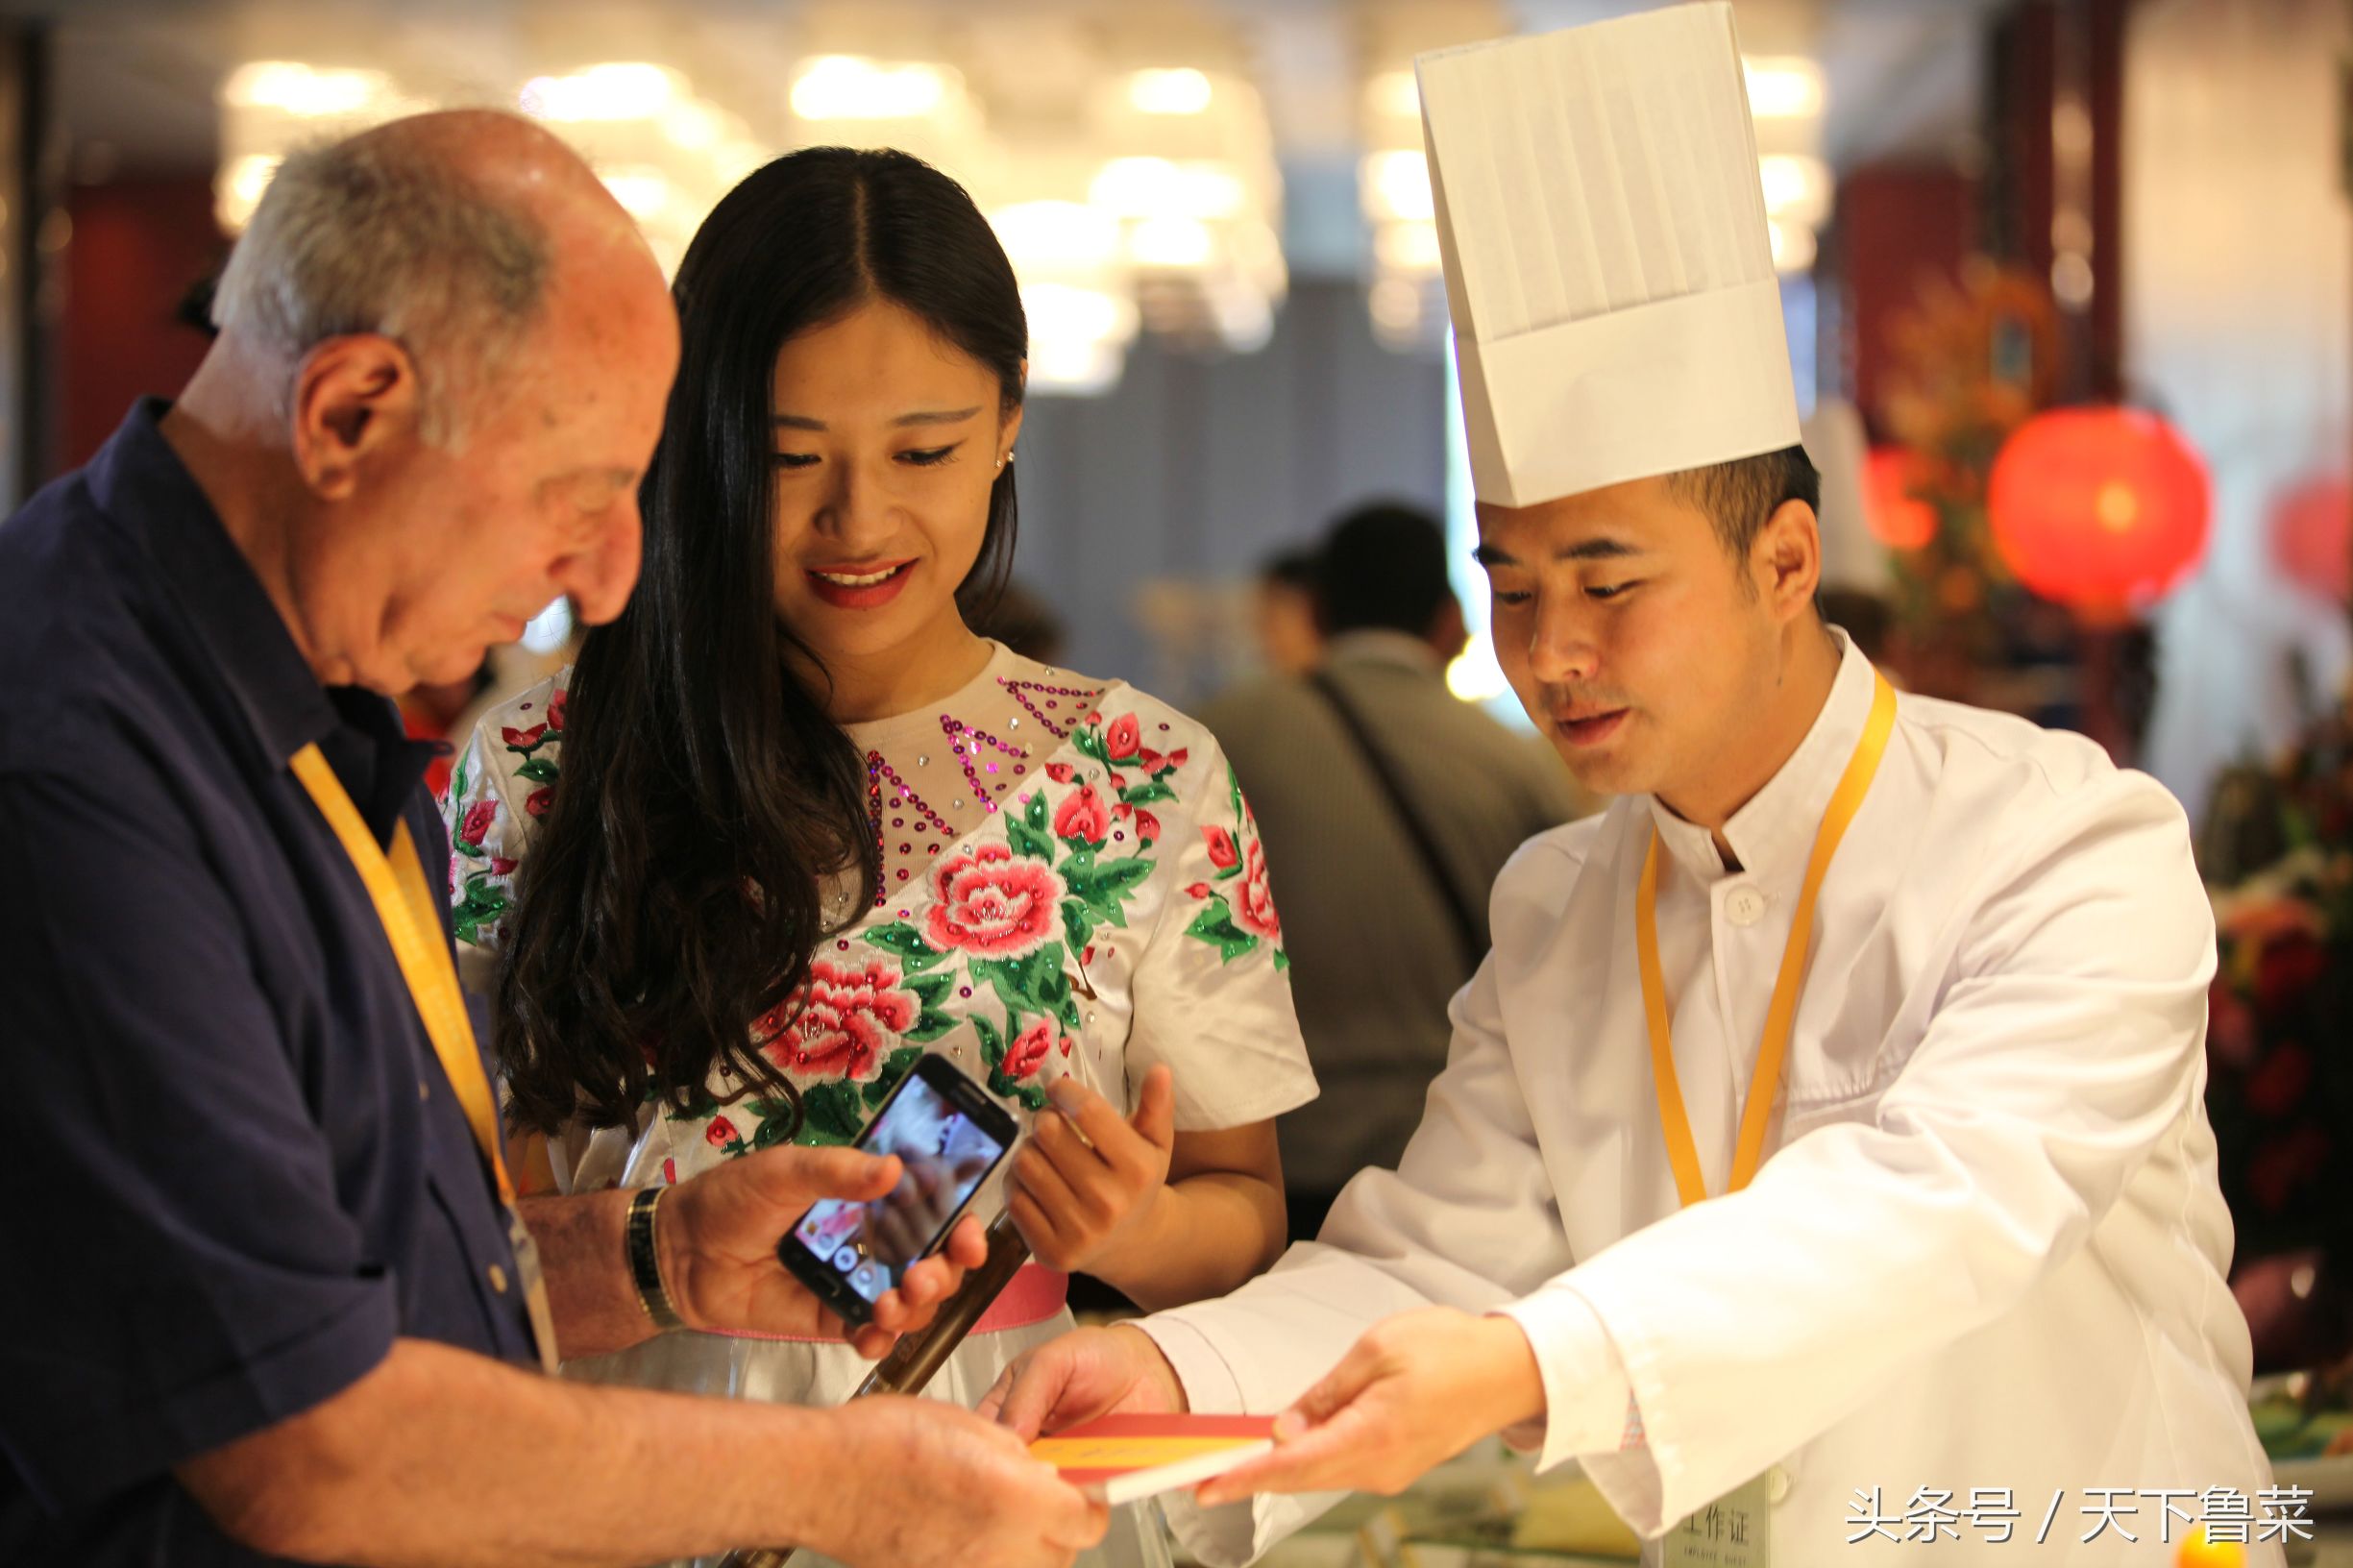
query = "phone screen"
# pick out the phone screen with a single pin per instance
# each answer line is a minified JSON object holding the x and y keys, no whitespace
{"x":944,"y":1155}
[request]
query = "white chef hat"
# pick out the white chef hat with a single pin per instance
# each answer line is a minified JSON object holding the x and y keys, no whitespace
{"x":1608,"y":267}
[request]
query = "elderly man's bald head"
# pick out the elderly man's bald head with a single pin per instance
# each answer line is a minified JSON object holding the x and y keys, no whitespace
{"x":450,"y":233}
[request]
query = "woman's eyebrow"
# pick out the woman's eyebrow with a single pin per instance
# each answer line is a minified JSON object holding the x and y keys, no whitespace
{"x":928,"y":416}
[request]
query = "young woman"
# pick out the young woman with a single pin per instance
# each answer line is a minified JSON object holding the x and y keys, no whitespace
{"x":789,"y":824}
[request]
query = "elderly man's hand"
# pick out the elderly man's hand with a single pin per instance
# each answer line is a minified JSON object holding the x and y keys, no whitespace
{"x":950,"y":1491}
{"x":718,"y":1235}
{"x":1084,"y":1374}
{"x":1415,"y":1391}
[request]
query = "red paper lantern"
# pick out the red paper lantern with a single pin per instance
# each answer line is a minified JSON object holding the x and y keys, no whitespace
{"x":2311,"y":534}
{"x":1897,"y":518}
{"x":2102,"y":509}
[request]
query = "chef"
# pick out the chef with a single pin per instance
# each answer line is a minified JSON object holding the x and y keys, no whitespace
{"x":1820,"y":1161}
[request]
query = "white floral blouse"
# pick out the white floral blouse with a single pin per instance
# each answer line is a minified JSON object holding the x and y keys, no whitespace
{"x":1073,"y":883}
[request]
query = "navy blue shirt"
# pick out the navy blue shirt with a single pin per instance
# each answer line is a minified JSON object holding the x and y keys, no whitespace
{"x":236,"y":1171}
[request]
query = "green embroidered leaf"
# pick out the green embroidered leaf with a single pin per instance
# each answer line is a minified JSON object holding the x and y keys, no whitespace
{"x":1036,"y":815}
{"x":1018,"y":981}
{"x":1005,"y":1088}
{"x":1283,"y":961}
{"x":992,"y":1044}
{"x":1107,"y":887}
{"x":833,"y":1111}
{"x":894,"y":1067}
{"x":1054,"y":994}
{"x":1229,"y":872}
{"x":1215,"y":927}
{"x":931,"y":1026}
{"x":931,"y":990}
{"x":458,"y":776}
{"x":1029,"y":841}
{"x":539,"y":771}
{"x":472,"y":851}
{"x":777,"y":1123}
{"x":1089,"y":739}
{"x":914,"y":954}
{"x":1234,"y":783}
{"x":482,"y":905}
{"x":1143,"y":795}
{"x":1076,"y":927}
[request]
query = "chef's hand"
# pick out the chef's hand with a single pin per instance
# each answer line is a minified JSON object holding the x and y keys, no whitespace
{"x":901,"y":1223}
{"x":1083,"y":1188}
{"x":717,"y":1234}
{"x":1415,"y":1391}
{"x":1084,"y":1374}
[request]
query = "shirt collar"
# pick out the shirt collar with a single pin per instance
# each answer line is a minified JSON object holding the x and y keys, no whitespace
{"x":1378,"y":644}
{"x":1777,"y":828}
{"x":138,"y":480}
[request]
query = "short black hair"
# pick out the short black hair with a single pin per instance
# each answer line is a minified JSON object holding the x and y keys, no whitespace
{"x":1740,"y":495}
{"x":1384,"y":566}
{"x":1291,"y":569}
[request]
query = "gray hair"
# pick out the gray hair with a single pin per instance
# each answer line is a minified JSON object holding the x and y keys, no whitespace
{"x":374,"y":234}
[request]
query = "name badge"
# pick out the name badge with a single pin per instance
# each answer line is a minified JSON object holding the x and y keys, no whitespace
{"x":1733,"y":1531}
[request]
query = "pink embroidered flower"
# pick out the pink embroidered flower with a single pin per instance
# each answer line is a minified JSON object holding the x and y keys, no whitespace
{"x":844,"y":1020}
{"x":1061,"y":773}
{"x":1254,"y":908}
{"x":1082,"y":816}
{"x":1177,"y":758}
{"x":500,"y":865}
{"x":992,"y":904}
{"x":720,"y":1132}
{"x":1118,"y":781}
{"x":555,"y":710}
{"x":1124,"y":739}
{"x":537,"y":801}
{"x":477,"y":820}
{"x":523,"y":740}
{"x":1148,"y":827}
{"x":1151,"y":760}
{"x":1199,"y":889}
{"x":1222,"y":853}
{"x":1088,"y":957}
{"x":1029,"y":1050}
{"x":669,"y":1173}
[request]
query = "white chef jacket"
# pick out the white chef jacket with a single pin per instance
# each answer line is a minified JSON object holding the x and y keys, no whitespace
{"x":1987,"y":1250}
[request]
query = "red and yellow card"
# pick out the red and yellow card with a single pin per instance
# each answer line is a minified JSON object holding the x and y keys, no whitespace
{"x":1118,"y":1458}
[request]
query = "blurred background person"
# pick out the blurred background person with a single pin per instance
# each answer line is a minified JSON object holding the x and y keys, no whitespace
{"x":1387,"y":806}
{"x":1283,"y":611}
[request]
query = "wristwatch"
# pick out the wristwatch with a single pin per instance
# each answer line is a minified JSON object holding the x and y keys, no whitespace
{"x":645,"y":1263}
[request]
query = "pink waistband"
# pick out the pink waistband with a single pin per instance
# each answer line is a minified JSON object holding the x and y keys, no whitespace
{"x":1034,"y":1295}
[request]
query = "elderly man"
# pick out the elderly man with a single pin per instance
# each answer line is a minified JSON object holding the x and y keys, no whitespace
{"x":244,"y":1318}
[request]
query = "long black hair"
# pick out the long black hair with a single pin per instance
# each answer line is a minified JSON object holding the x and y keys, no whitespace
{"x":674,"y":891}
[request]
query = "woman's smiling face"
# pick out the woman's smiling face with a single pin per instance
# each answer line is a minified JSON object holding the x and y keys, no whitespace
{"x":888,"y":440}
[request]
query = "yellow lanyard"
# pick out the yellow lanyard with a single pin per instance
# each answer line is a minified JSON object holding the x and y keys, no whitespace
{"x":406,"y":905}
{"x":1774,"y":1054}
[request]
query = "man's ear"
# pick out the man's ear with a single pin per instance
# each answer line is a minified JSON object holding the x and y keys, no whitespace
{"x":1786,"y":559}
{"x":356,"y":398}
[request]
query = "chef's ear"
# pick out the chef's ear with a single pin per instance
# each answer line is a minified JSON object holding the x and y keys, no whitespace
{"x":1785,"y":562}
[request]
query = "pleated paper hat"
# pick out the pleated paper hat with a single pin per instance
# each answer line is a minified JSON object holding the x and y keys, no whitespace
{"x":1608,"y":267}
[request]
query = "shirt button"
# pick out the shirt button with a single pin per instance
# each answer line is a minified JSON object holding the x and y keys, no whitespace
{"x":1776,"y":1485}
{"x":498,"y":1279}
{"x":1745,"y":905}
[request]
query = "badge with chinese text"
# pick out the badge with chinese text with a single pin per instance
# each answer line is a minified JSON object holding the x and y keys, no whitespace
{"x":1733,"y":1531}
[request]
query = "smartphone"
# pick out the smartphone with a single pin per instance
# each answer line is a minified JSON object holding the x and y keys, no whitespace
{"x":948,"y":1133}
